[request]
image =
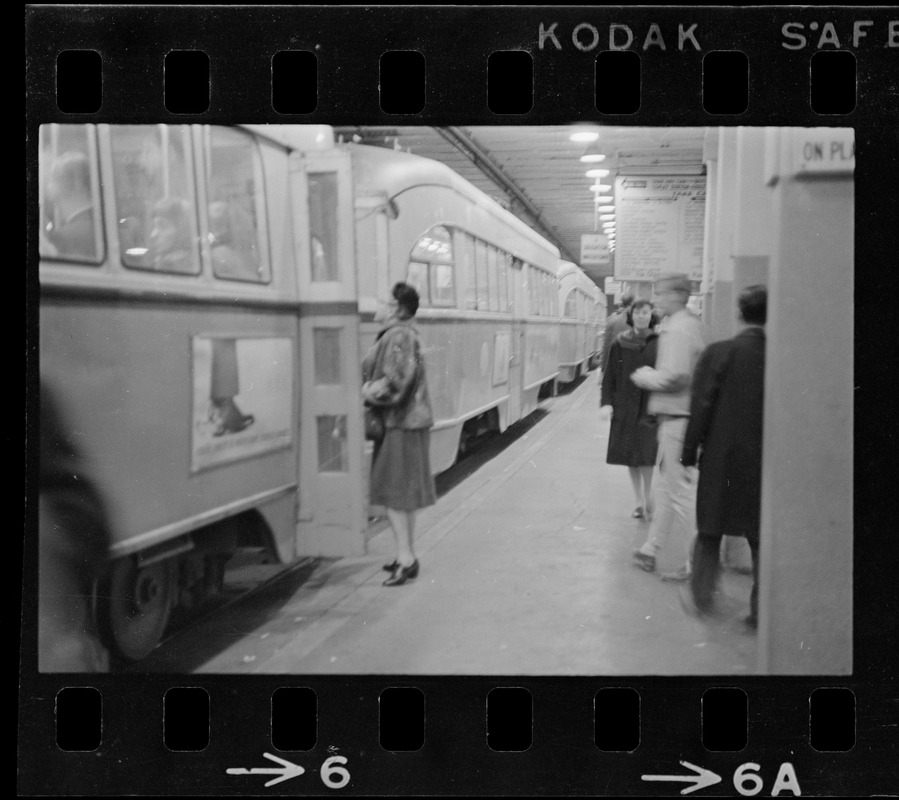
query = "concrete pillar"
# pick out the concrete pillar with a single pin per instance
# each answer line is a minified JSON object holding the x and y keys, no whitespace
{"x":710,"y":159}
{"x":721,"y":321}
{"x":750,"y":256}
{"x":805,"y":597}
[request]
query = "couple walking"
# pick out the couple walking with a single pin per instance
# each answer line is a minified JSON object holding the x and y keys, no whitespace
{"x":708,"y":403}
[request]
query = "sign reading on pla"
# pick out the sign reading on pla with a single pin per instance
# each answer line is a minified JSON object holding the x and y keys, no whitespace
{"x":594,"y":249}
{"x":830,"y":150}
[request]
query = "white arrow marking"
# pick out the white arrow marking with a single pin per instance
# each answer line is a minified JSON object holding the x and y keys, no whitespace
{"x":702,"y":778}
{"x":287,"y":770}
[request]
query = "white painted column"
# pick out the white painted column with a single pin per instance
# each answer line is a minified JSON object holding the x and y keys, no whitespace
{"x":710,"y":159}
{"x":805,"y":597}
{"x":721,"y":318}
{"x":750,"y":257}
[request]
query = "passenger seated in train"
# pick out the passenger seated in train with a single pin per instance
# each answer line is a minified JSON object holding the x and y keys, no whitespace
{"x":171,"y":241}
{"x":232,"y":252}
{"x":70,"y":228}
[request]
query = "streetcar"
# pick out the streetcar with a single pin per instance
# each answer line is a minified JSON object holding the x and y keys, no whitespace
{"x":207,"y":294}
{"x":581,"y":325}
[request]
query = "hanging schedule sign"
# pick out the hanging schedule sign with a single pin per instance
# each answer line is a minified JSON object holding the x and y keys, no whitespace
{"x":660,"y":221}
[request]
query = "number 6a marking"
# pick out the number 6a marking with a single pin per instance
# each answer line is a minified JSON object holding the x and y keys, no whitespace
{"x":748,"y":782}
{"x":328,"y":772}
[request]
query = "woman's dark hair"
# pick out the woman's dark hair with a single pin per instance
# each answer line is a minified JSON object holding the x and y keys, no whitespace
{"x":407,"y":298}
{"x":653,"y":320}
{"x":753,"y":304}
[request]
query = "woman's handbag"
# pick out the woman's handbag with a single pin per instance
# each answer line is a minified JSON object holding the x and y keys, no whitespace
{"x":374,"y":424}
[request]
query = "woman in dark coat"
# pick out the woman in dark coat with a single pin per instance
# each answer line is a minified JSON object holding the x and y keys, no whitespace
{"x":632,"y":440}
{"x":394,"y":383}
{"x":724,"y":436}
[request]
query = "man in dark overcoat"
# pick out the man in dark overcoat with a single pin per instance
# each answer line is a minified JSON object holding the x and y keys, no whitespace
{"x":724,"y":436}
{"x":615,"y":324}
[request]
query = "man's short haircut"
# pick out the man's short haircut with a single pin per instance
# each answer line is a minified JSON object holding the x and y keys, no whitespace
{"x":753,"y":304}
{"x":406,"y":297}
{"x":675,"y":282}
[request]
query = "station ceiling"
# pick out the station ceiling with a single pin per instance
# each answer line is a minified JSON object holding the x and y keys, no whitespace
{"x":536,"y":171}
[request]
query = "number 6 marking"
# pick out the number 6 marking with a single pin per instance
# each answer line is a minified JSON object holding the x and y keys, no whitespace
{"x":328,"y":772}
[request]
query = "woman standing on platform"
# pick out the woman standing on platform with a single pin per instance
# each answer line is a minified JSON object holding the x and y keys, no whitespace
{"x":395,"y":386}
{"x":632,"y":437}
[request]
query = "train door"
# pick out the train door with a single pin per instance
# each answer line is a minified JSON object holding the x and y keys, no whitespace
{"x":516,"y":354}
{"x":331,"y":503}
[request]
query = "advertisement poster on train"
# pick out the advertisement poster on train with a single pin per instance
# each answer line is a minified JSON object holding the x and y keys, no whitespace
{"x":661,"y":223}
{"x":242,"y":398}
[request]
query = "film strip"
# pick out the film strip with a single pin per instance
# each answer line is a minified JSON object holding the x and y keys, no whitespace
{"x":772,"y":733}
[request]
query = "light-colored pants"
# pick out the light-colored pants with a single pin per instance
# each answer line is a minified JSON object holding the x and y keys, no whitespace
{"x":673,"y":525}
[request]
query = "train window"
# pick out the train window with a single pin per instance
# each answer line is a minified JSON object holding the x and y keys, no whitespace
{"x":326,"y":346}
{"x":155,"y":204}
{"x":505,"y":261}
{"x":466,"y":261}
{"x":332,"y":443}
{"x":443,"y":291}
{"x":434,"y":251}
{"x":480,"y":260}
{"x":418,"y":277}
{"x":236,"y":206}
{"x":571,"y":305}
{"x":493,"y":279}
{"x":323,"y":225}
{"x":71,"y":220}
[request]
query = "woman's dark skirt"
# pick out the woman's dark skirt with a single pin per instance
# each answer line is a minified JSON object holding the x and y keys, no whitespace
{"x":401,"y":471}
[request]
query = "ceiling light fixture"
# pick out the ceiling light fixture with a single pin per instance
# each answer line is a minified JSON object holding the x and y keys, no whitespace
{"x":606,"y":208}
{"x":596,"y":173}
{"x":604,"y":198}
{"x":600,"y":187}
{"x":607,"y":216}
{"x":584,"y":136}
{"x":593,"y":155}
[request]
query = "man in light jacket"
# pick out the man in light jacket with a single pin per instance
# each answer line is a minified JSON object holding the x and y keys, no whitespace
{"x":681,"y":341}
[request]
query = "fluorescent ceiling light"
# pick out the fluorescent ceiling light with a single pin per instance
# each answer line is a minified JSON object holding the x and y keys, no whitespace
{"x":606,"y":208}
{"x":600,"y":187}
{"x":584,"y":136}
{"x":607,"y":216}
{"x":604,"y":198}
{"x":596,"y":173}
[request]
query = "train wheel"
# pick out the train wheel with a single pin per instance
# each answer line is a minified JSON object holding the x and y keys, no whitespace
{"x":137,"y":606}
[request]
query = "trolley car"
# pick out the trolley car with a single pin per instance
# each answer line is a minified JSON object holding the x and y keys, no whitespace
{"x":207,"y":294}
{"x":581,"y":325}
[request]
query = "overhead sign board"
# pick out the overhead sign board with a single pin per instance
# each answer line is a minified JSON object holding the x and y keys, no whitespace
{"x":661,"y":224}
{"x":595,"y":250}
{"x":817,"y":150}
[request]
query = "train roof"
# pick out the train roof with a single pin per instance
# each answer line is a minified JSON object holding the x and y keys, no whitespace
{"x":297,"y":137}
{"x":379,"y":170}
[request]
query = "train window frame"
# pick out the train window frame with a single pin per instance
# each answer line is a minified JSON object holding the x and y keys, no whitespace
{"x":570,"y":305}
{"x":504,"y":266}
{"x":467,"y":257}
{"x":481,"y":282}
{"x":317,"y":249}
{"x":191,"y":202}
{"x":96,"y":206}
{"x":419,"y":281}
{"x":492,"y":278}
{"x":435,"y":259}
{"x":259,"y":223}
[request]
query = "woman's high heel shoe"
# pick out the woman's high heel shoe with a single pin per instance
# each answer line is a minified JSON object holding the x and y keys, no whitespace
{"x":402,"y":574}
{"x":391,"y":566}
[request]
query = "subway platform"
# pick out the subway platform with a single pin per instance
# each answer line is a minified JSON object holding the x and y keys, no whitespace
{"x":525,"y":570}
